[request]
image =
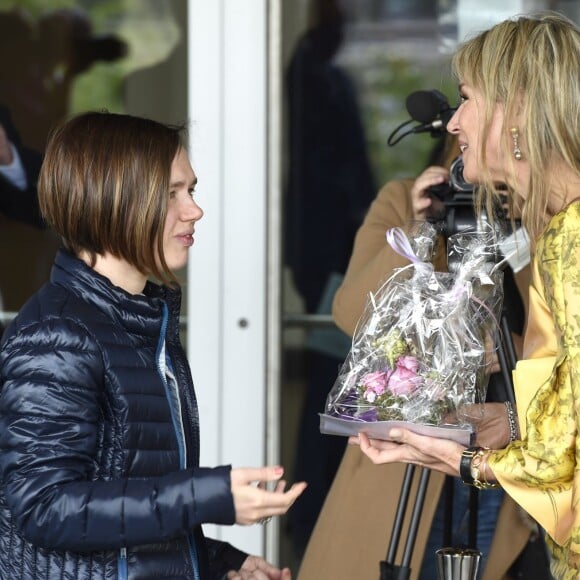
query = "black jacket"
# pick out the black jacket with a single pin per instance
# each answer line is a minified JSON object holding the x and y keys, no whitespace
{"x":99,"y":459}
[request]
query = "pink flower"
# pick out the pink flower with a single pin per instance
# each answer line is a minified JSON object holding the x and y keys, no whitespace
{"x":374,"y":384}
{"x":409,"y":363}
{"x":405,"y":379}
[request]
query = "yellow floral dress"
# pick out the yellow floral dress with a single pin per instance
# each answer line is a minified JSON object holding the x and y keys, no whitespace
{"x":542,"y":471}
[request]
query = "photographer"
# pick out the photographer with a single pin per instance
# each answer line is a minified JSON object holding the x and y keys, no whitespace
{"x":363,"y":498}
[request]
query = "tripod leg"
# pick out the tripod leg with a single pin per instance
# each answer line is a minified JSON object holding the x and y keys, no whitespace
{"x":506,"y":347}
{"x":400,"y":513}
{"x":448,"y":512}
{"x":473,"y":513}
{"x":512,"y":358}
{"x":415,"y":517}
{"x":388,"y":570}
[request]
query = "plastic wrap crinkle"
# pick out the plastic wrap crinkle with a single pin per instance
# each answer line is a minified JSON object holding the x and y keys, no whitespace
{"x":423,"y":347}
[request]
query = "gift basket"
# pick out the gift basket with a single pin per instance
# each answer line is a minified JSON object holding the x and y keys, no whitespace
{"x":423,"y":348}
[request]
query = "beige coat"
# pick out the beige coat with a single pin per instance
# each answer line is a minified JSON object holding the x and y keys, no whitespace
{"x":352,"y":533}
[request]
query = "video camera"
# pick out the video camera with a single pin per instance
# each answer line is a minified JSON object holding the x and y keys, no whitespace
{"x":457,"y":197}
{"x":432,"y":110}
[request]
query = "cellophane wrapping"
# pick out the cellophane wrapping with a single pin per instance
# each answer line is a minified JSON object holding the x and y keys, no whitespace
{"x":424,"y":346}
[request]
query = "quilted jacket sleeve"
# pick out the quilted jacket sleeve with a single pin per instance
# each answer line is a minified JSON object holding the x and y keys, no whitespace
{"x":223,"y":557}
{"x":50,"y":402}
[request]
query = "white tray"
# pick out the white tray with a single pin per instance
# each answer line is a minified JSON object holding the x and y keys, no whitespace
{"x":330,"y":425}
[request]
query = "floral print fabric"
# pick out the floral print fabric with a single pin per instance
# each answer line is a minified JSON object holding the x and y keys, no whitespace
{"x":540,"y":471}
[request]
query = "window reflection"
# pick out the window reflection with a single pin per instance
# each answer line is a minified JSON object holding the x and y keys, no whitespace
{"x":330,"y":186}
{"x":344,"y":97}
{"x":125,"y":57}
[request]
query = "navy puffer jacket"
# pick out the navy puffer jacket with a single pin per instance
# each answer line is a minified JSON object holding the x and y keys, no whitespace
{"x":98,"y":452}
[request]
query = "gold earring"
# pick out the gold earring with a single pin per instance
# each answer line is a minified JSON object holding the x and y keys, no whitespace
{"x":516,"y":139}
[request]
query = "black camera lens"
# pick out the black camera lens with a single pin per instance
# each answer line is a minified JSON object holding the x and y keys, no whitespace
{"x":456,"y":178}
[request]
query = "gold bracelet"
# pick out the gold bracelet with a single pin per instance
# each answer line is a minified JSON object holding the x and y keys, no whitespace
{"x":478,"y":469}
{"x":475,"y":467}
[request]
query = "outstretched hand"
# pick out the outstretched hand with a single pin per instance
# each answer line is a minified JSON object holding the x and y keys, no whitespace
{"x":253,"y":502}
{"x":405,"y":446}
{"x":255,"y":568}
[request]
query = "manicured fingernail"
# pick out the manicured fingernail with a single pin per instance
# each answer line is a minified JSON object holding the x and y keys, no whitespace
{"x":394,"y":434}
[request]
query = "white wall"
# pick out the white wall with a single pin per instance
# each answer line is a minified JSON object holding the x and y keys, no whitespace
{"x":227,"y":273}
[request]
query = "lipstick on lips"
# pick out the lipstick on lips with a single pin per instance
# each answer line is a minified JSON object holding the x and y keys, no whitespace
{"x":185,"y":239}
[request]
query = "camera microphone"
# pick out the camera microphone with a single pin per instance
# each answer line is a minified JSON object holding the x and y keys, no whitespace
{"x":437,"y":125}
{"x":431,"y":109}
{"x":425,"y":106}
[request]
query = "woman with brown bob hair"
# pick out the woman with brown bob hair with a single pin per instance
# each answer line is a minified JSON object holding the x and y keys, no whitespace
{"x":83,"y":190}
{"x":99,"y":427}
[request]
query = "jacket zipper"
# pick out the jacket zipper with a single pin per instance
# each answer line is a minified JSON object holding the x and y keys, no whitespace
{"x":122,"y":564}
{"x":162,"y":351}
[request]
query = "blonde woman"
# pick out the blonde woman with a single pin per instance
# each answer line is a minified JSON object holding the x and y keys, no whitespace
{"x":519,"y":123}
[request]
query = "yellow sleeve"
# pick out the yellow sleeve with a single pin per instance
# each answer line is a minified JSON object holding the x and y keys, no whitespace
{"x":539,"y":471}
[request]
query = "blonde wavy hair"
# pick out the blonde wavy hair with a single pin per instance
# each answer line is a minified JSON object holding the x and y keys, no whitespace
{"x":530,"y":64}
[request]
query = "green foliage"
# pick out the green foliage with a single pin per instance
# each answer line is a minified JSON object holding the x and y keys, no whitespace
{"x":102,"y":88}
{"x":36,"y":7}
{"x":148,"y":27}
{"x":385,"y":82}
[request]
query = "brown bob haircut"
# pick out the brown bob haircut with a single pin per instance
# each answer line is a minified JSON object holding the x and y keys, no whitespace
{"x":104,"y":187}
